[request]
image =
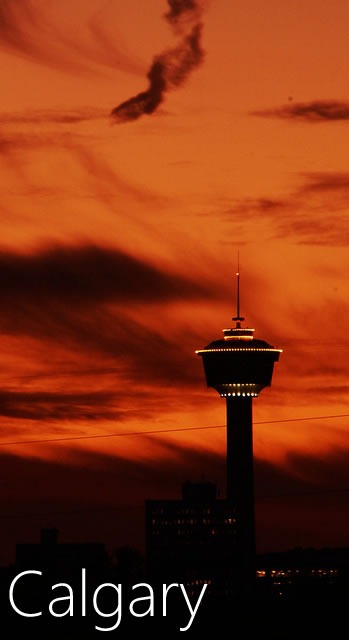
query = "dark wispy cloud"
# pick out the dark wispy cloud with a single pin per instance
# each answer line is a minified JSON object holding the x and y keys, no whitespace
{"x":326,"y":232}
{"x":28,"y":29}
{"x":101,"y":301}
{"x":313,"y":111}
{"x":256,"y":207}
{"x":88,"y":274}
{"x":103,"y":180}
{"x":25,"y":30}
{"x":30,"y":138}
{"x":312,"y":213}
{"x":171,"y":68}
{"x":315,"y":211}
{"x":51,"y":116}
{"x":332,"y":181}
{"x":12,"y":33}
{"x":58,"y":406}
{"x":108,"y":46}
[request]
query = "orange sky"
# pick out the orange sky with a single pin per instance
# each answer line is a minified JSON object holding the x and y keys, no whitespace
{"x":119,"y":243}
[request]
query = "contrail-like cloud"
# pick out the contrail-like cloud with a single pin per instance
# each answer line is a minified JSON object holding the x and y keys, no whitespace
{"x":315,"y":111}
{"x":171,"y":68}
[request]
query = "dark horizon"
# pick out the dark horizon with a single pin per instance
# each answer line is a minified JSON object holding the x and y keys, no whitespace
{"x":282,"y":500}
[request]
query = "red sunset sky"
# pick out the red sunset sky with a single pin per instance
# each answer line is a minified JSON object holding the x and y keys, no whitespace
{"x":119,"y":240}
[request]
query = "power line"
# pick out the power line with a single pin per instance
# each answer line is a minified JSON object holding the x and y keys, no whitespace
{"x":160,"y":431}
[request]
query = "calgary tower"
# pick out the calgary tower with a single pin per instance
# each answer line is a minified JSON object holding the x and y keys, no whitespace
{"x":239,"y":366}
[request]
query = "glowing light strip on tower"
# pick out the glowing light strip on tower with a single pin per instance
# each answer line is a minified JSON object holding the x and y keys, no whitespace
{"x":239,"y":384}
{"x":238,"y":349}
{"x":238,"y":337}
{"x":250,"y":394}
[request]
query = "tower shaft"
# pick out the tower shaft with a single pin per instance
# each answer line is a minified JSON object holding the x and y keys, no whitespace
{"x":240,"y":486}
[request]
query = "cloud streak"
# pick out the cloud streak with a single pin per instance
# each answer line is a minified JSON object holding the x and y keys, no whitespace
{"x":311,"y":214}
{"x":88,"y":273}
{"x":51,"y":116}
{"x":52,"y":406}
{"x":313,"y":112}
{"x":103,"y":303}
{"x":171,"y":68}
{"x":321,"y":182}
{"x":27,"y":28}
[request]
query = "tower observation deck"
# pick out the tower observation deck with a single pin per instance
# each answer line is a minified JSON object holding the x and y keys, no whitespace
{"x":239,"y":366}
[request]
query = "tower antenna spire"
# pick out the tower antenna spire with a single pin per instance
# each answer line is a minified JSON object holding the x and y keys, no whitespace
{"x":238,"y":318}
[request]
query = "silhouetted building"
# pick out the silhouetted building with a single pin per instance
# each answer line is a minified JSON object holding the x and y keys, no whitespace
{"x":239,"y":366}
{"x":191,"y":540}
{"x":63,"y":558}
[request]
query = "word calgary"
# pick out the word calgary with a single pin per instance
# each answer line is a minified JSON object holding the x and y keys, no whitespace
{"x":106,"y":601}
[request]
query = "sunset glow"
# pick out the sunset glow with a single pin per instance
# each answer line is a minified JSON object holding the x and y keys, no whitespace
{"x":120,"y":232}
